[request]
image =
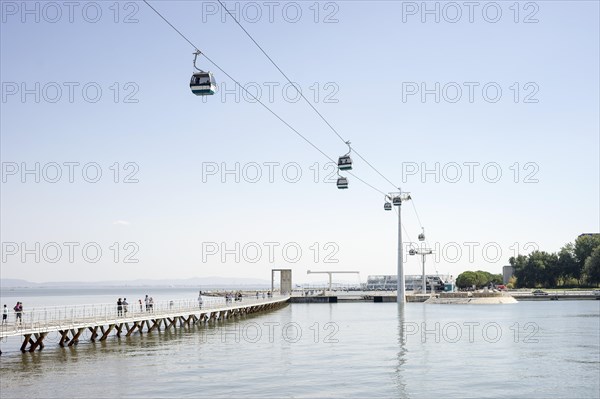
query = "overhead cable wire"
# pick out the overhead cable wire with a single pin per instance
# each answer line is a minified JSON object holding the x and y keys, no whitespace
{"x":255,"y":98}
{"x":334,"y":130}
{"x":301,"y":94}
{"x":417,"y":214}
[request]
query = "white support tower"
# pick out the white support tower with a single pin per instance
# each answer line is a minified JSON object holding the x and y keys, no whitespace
{"x":397,"y":199}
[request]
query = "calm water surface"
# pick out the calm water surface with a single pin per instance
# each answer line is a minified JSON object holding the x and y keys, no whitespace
{"x":529,"y":350}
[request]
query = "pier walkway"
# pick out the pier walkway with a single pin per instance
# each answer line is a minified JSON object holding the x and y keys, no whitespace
{"x":103,"y":319}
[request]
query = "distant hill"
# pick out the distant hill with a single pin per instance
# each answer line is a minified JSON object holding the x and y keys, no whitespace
{"x":13,"y":282}
{"x":191,"y":282}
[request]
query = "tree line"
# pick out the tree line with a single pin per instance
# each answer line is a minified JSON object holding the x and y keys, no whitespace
{"x":575,"y":265}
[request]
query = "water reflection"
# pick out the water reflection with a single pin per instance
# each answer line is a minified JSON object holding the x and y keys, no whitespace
{"x":402,"y":352}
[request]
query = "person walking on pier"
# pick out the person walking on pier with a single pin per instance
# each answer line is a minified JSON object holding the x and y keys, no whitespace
{"x":18,"y":312}
{"x":125,"y":304}
{"x":119,"y":307}
{"x":4,"y":315}
{"x":151,"y":304}
{"x":141,"y":307}
{"x":147,"y":301}
{"x":200,"y":299}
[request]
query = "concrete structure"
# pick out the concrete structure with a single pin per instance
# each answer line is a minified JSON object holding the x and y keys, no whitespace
{"x":507,"y":273}
{"x":475,"y":298}
{"x":285,"y":281}
{"x":330,"y":273}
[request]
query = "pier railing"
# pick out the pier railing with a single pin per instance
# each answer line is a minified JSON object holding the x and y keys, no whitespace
{"x":42,"y":318}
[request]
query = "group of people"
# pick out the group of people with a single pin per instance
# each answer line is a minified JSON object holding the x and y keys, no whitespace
{"x":123,"y":305}
{"x":230,"y":296}
{"x":149,"y":302}
{"x":18,"y":313}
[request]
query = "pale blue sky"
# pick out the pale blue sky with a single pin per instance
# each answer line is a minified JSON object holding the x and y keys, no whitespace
{"x":366,"y":56}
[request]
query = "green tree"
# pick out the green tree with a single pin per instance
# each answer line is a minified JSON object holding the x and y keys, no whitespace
{"x":552,"y":270}
{"x":544,"y":268}
{"x":592,"y":267}
{"x":497,"y":279}
{"x":584,"y":246}
{"x":567,"y":264}
{"x":466,"y":279}
{"x":537,"y":269}
{"x":483,"y":278}
{"x":479,"y":279}
{"x":522,"y":272}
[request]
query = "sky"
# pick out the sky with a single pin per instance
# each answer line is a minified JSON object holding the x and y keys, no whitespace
{"x":486,"y":112}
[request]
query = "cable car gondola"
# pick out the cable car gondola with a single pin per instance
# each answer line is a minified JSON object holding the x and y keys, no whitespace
{"x":345,"y":162}
{"x":422,"y":235}
{"x":202,"y":83}
{"x":342,"y":183}
{"x":387,"y":205}
{"x":397,"y":201}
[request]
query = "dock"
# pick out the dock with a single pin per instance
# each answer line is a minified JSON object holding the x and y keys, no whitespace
{"x":104,"y":320}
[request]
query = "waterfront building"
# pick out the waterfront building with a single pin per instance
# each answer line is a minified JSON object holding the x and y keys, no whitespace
{"x":412,"y":282}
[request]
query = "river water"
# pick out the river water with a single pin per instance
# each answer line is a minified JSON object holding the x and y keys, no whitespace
{"x":548,"y":349}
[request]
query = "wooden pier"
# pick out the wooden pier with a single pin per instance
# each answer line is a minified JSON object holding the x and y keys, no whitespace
{"x":103,"y":320}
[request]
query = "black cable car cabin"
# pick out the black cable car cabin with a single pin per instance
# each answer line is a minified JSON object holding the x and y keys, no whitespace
{"x":387,"y":206}
{"x":342,"y":183}
{"x":203,"y":83}
{"x":345,"y":162}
